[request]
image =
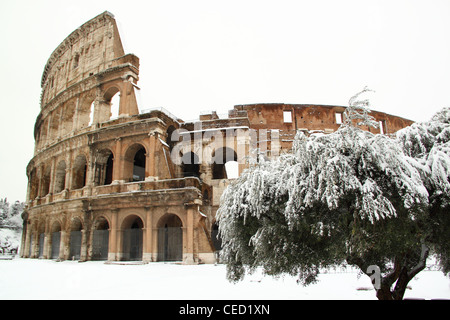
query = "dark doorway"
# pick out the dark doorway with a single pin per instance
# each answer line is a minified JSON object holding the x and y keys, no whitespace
{"x":75,"y":240}
{"x":100,"y":240}
{"x":56,"y":240}
{"x":139,"y":165}
{"x":191,"y":165}
{"x":170,"y":239}
{"x":132,"y":238}
{"x":41,"y":245}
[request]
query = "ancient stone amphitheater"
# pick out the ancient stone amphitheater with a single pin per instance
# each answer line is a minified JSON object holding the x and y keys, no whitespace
{"x":111,"y":180}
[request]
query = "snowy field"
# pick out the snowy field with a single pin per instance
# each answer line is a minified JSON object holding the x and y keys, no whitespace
{"x":46,"y":279}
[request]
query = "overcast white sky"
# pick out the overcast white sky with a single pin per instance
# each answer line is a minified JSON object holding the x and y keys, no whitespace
{"x":211,"y":55}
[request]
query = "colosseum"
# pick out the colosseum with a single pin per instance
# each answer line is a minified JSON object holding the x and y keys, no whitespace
{"x":111,"y":180}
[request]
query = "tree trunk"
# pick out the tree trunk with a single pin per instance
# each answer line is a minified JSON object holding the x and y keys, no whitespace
{"x":384,"y":293}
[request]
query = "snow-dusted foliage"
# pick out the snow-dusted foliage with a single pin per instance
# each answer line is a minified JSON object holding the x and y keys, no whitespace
{"x":350,"y":174}
{"x":358,"y":111}
{"x":10,"y":225}
{"x":428,"y":144}
{"x":350,"y":196}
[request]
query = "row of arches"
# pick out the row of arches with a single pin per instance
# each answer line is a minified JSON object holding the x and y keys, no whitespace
{"x":224,"y":165}
{"x":78,"y":114}
{"x":67,"y":174}
{"x":73,"y":243}
{"x":71,"y":175}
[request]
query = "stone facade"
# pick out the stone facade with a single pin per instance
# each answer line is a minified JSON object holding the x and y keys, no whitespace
{"x":139,"y":185}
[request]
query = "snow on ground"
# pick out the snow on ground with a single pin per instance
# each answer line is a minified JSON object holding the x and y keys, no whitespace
{"x":47,"y":279}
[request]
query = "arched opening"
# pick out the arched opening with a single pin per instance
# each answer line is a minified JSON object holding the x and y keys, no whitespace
{"x":54,"y":124}
{"x":67,"y":119}
{"x":55,"y":240}
{"x":43,"y":133}
{"x":75,"y":239}
{"x":34,"y":183}
{"x":45,"y":182}
{"x":79,"y":172}
{"x":139,"y":165}
{"x":220,"y":168}
{"x":135,"y":159}
{"x":115,"y":103}
{"x":100,"y":239}
{"x":132,"y":243}
{"x":169,"y":141}
{"x":190,"y":165}
{"x":41,"y":240}
{"x":170,"y":238}
{"x":216,"y":239}
{"x":111,"y":104}
{"x":85,"y":112}
{"x":60,"y":177}
{"x":104,"y":167}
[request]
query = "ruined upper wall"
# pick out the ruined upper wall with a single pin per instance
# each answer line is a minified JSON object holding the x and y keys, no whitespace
{"x":88,"y":50}
{"x":311,"y":117}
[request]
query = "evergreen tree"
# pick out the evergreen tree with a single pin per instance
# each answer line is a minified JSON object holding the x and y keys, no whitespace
{"x":347,"y":197}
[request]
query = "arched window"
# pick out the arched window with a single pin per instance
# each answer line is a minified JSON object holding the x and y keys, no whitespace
{"x":112,"y":103}
{"x":190,"y":165}
{"x":45,"y":183}
{"x":135,"y":159}
{"x":55,"y":240}
{"x":225,"y":164}
{"x":75,"y":239}
{"x":170,"y":238}
{"x":104,"y":167}
{"x":60,"y":177}
{"x":79,"y":172}
{"x":132,"y":238}
{"x":100,"y":239}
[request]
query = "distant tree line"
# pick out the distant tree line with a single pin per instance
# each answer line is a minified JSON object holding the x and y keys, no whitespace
{"x":10,"y":225}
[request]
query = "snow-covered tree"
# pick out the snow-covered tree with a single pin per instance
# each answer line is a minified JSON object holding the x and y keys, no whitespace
{"x":347,"y":197}
{"x":428,"y":144}
{"x":10,"y":225}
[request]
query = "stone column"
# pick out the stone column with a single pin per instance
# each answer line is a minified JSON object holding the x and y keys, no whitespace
{"x":188,"y":255}
{"x":147,"y":237}
{"x":114,"y":237}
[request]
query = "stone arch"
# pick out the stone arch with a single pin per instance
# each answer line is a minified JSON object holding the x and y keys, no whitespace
{"x":111,"y":101}
{"x":41,"y":238}
{"x":170,"y":238}
{"x":43,"y":132}
{"x":135,"y":163}
{"x":34,"y":184}
{"x":190,"y":164}
{"x":132,"y":240}
{"x":104,"y":167}
{"x":55,"y":239}
{"x":75,"y":238}
{"x":55,"y":120}
{"x":85,"y":109}
{"x":79,"y":172}
{"x":60,"y":177}
{"x":67,"y":118}
{"x":100,"y":238}
{"x":45,"y":180}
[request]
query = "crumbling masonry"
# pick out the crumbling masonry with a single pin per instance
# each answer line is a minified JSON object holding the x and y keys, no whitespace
{"x":131,"y":184}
